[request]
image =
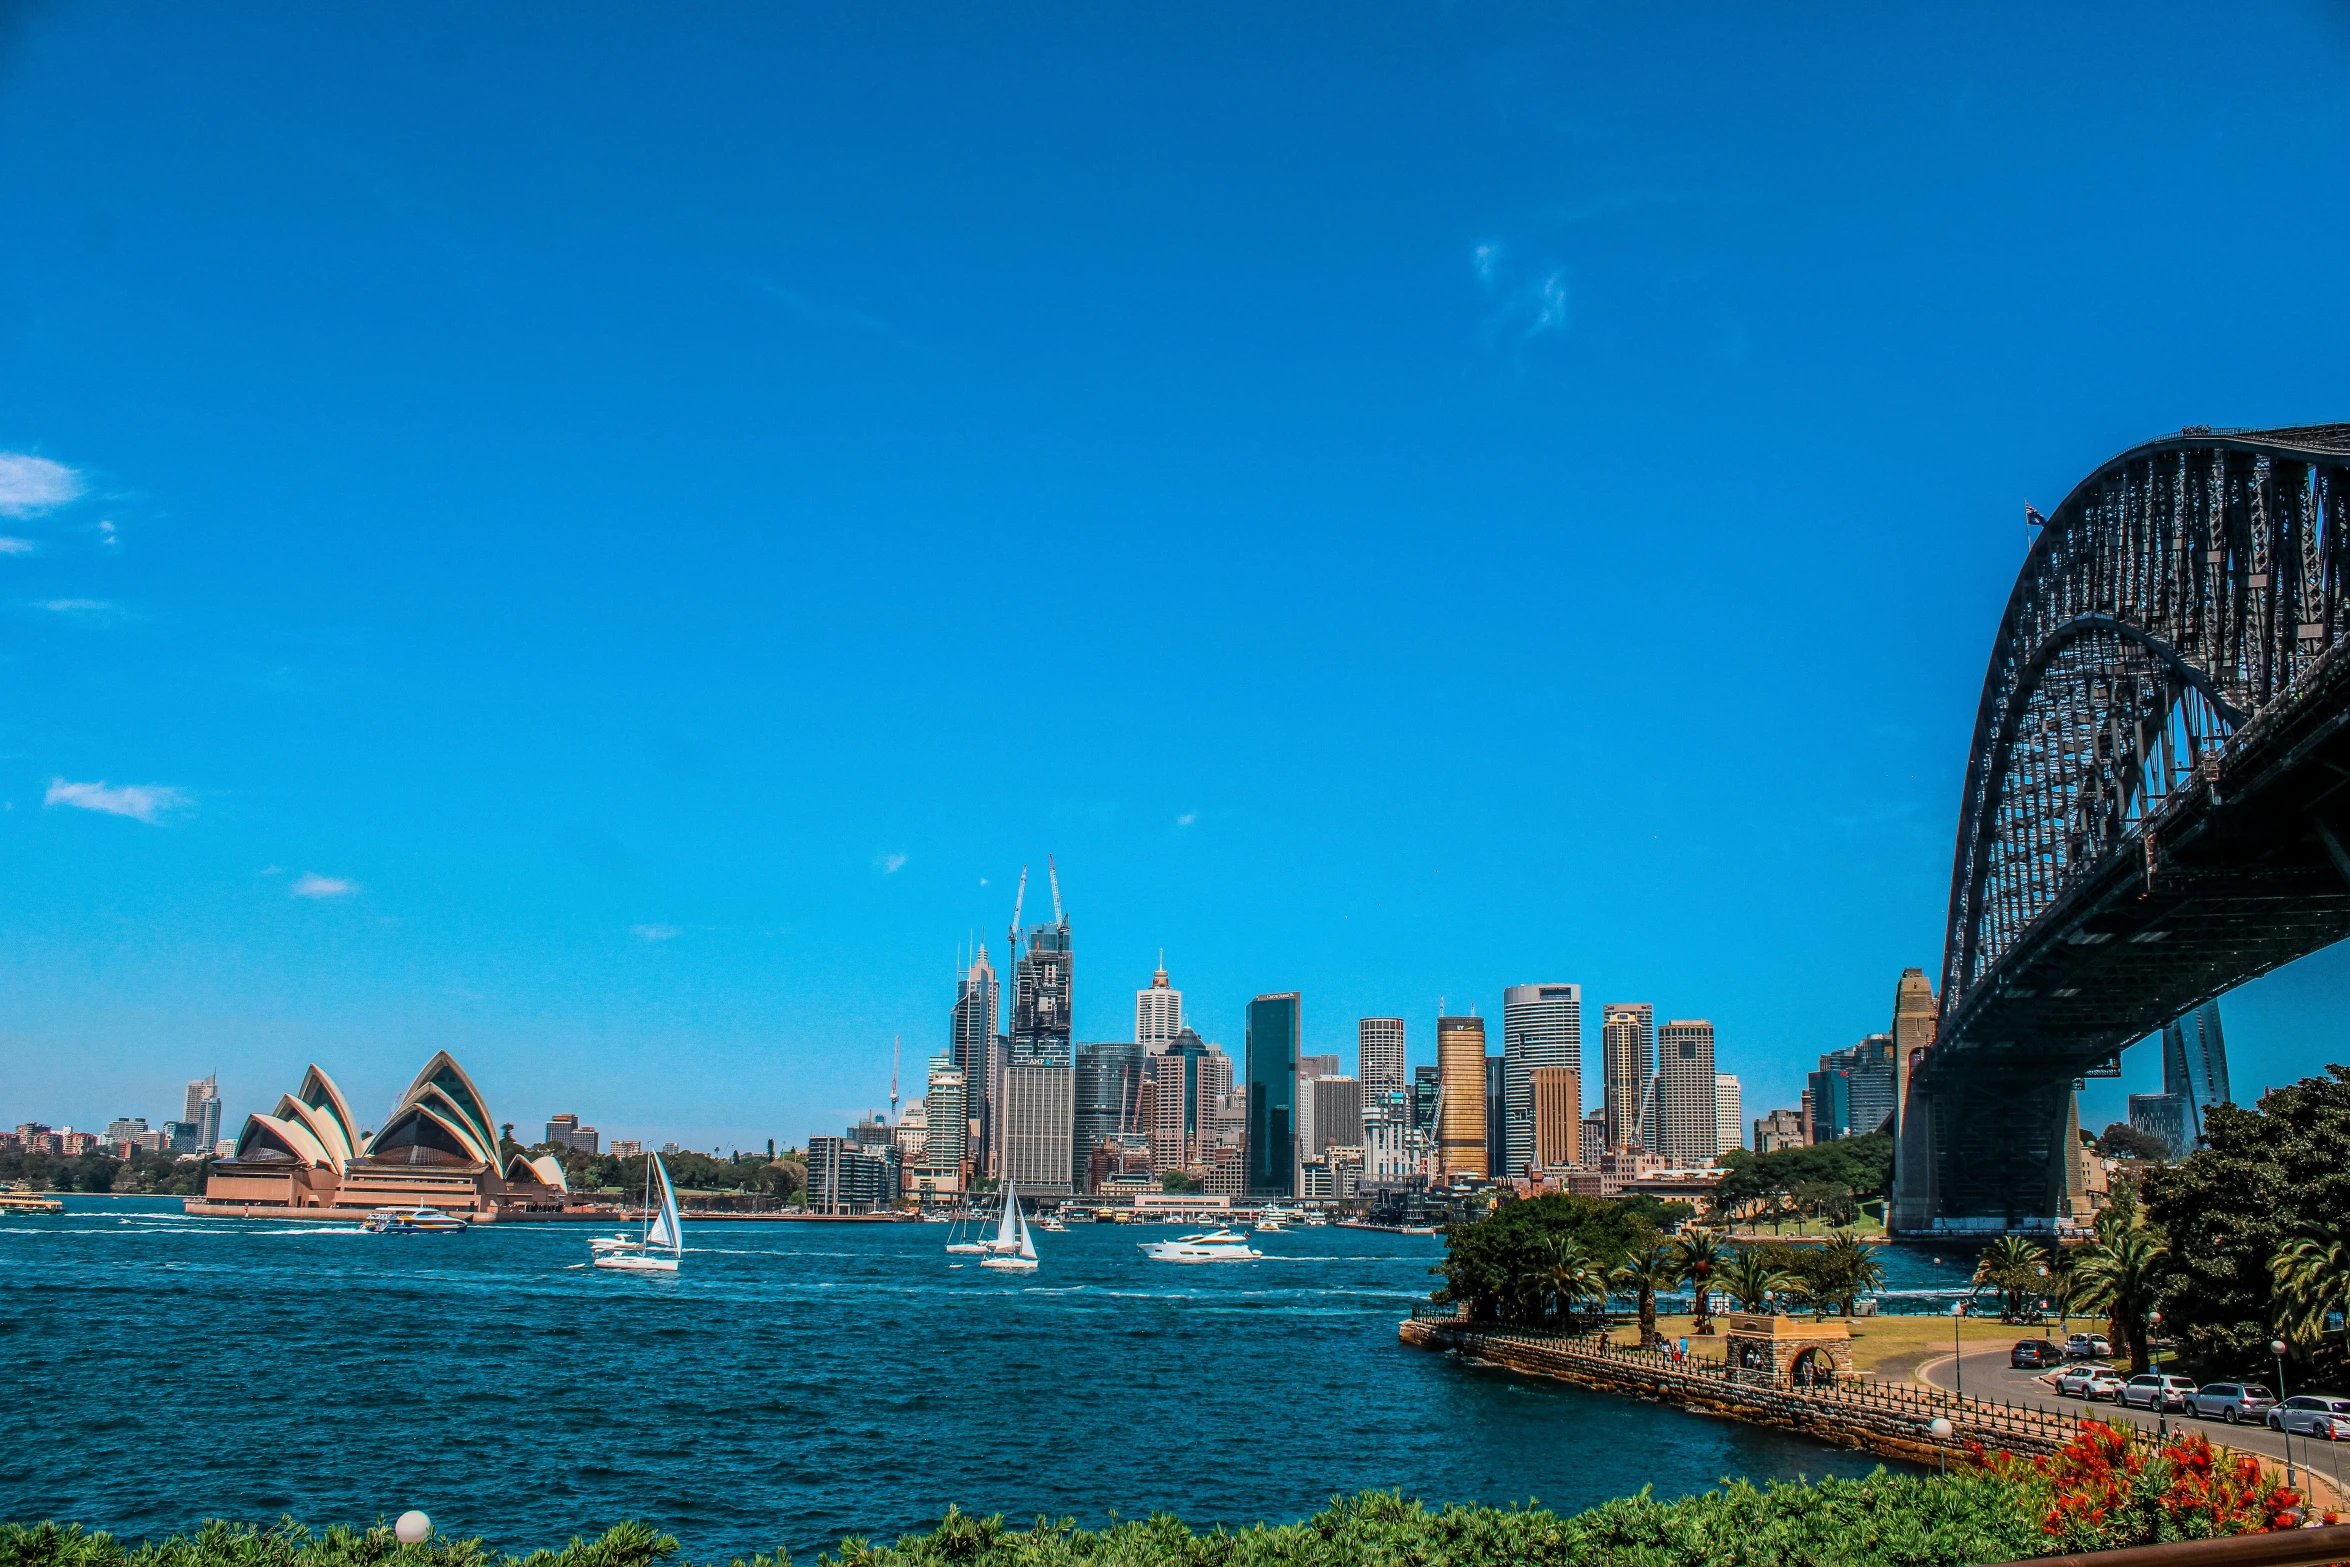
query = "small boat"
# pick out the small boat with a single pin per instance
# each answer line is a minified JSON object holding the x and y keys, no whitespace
{"x":1022,"y":1257}
{"x":1052,"y":1222}
{"x":415,"y":1221}
{"x":615,"y":1243}
{"x":1213,"y":1246}
{"x":1272,"y":1221}
{"x":664,"y":1230}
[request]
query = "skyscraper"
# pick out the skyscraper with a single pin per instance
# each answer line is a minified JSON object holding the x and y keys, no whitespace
{"x":947,"y":1144}
{"x":1379,"y":1056}
{"x":970,"y":1049}
{"x":203,"y":1110}
{"x":1627,"y":1032}
{"x":2194,"y":1078}
{"x":1541,"y":1026}
{"x":1158,"y":1013}
{"x":1042,"y":985}
{"x":1851,"y":1095}
{"x":1038,"y":1114}
{"x":1496,"y":1119}
{"x":1688,"y":1131}
{"x":1109,"y":1101}
{"x":1729,"y":1114}
{"x":1424,"y":1097}
{"x":1558,"y":1116}
{"x":1460,"y":1114}
{"x":1275,"y":1023}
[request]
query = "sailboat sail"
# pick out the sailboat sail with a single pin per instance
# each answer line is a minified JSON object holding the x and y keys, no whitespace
{"x":665,"y":1230}
{"x":1027,"y":1242}
{"x":1007,"y":1234}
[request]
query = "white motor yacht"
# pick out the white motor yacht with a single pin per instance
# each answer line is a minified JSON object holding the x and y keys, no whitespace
{"x":1211,"y":1246}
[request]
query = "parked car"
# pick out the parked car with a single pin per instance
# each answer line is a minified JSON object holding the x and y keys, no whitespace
{"x":2313,"y":1414}
{"x":2153,"y":1390}
{"x":2035,"y":1354}
{"x":2233,"y":1402}
{"x":2087,"y":1346}
{"x":2091,"y":1382}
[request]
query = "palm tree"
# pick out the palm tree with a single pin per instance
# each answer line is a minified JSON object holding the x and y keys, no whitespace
{"x":1644,"y":1275}
{"x":1571,"y":1279}
{"x":1848,"y":1269}
{"x":2312,"y":1273}
{"x":1749,"y":1279}
{"x":2118,"y":1277}
{"x":1698,"y":1256}
{"x":2014,"y":1267}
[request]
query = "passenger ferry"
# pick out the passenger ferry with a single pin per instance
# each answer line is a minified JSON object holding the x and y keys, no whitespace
{"x":415,"y":1221}
{"x":26,"y":1202}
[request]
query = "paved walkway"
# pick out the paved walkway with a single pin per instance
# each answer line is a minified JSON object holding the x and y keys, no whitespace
{"x":1985,"y":1373}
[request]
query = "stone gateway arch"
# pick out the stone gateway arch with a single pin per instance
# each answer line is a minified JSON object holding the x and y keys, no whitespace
{"x":2157,"y":801}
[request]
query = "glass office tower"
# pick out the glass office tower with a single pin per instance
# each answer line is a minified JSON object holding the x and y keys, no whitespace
{"x":1274,"y":1023}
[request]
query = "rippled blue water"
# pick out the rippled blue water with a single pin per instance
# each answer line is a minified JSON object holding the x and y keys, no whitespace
{"x":794,"y":1384}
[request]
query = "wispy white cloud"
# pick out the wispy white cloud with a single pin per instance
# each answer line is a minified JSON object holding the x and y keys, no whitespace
{"x":1187,"y":818}
{"x":312,"y":885}
{"x":17,"y":546}
{"x":106,"y":534}
{"x":889,"y":864}
{"x":73,"y":606}
{"x":1523,"y":307}
{"x":653,"y":932}
{"x":1484,"y":258}
{"x":1550,"y":304}
{"x":31,"y":485}
{"x":140,"y":802}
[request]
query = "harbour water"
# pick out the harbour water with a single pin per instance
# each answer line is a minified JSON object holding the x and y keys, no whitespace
{"x":795,"y":1383}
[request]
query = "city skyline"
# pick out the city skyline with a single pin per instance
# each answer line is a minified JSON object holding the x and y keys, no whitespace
{"x":585,"y":644}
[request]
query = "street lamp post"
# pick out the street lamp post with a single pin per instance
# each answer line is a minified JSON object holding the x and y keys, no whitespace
{"x":2042,"y":1270}
{"x":2276,"y":1347}
{"x":1941,"y":1429}
{"x":2161,"y":1415}
{"x":1957,"y":1353}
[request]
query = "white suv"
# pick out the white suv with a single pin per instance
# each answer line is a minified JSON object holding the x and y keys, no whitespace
{"x":2152,"y":1390}
{"x":2313,"y":1414}
{"x":2233,"y":1402}
{"x":2090,"y":1382}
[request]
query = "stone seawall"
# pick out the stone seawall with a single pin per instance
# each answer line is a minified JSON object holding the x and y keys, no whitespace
{"x":1889,"y":1421}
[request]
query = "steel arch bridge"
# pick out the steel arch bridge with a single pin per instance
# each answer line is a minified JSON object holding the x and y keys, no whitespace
{"x":2157,"y":803}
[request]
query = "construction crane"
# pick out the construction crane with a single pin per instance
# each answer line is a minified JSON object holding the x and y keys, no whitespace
{"x":1018,"y":899}
{"x":1053,"y":871}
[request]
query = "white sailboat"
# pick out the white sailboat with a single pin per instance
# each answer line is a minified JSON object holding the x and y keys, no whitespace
{"x":973,"y":1248}
{"x":1013,"y":1232}
{"x":664,"y":1230}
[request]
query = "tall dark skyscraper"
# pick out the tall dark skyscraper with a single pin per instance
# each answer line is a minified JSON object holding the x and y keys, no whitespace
{"x":1274,"y":1024}
{"x":1041,"y":998}
{"x":1109,"y":1086}
{"x":2194,"y":1078}
{"x":972,"y":1034}
{"x":1496,"y":1122}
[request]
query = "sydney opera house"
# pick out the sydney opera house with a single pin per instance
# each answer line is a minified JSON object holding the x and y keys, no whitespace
{"x":438,"y":1149}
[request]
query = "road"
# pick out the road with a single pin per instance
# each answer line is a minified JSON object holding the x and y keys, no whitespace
{"x":1986,"y":1374}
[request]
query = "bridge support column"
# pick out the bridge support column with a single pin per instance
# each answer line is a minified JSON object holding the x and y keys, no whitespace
{"x":1987,"y":1155}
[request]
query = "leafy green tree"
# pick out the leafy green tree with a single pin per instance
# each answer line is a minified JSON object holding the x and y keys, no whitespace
{"x":1847,"y":1269}
{"x":1572,"y":1280}
{"x":1766,"y":1183}
{"x":1645,"y":1275}
{"x":1493,"y":1266}
{"x":2265,"y":1176}
{"x":2121,"y":1140}
{"x":1178,"y":1181}
{"x":1749,"y":1278}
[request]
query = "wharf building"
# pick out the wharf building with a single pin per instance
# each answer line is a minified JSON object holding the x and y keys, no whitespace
{"x":1379,"y":1056}
{"x":1688,"y":1130}
{"x":1627,"y":1032}
{"x":1460,"y":1115}
{"x":1270,"y":1151}
{"x":1541,"y":1026}
{"x":439,"y":1149}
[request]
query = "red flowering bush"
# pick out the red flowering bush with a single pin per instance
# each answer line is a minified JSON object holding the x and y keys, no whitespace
{"x":2102,"y":1491}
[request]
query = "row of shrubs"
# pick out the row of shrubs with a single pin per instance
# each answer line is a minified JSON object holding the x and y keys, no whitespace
{"x":2101,"y":1493}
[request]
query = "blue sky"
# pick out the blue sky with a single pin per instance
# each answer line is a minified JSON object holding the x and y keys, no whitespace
{"x":603,"y":537}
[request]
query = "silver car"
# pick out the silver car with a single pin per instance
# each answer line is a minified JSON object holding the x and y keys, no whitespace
{"x":2233,"y":1402}
{"x":2313,"y":1414}
{"x":2153,"y":1390}
{"x":2089,"y":1382}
